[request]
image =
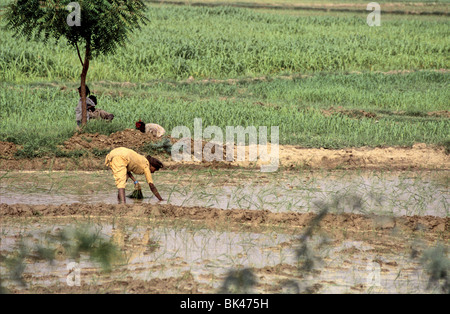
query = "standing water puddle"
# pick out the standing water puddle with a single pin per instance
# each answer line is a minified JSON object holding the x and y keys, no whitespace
{"x":374,"y":193}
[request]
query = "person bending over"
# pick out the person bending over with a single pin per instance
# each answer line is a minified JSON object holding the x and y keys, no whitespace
{"x":155,"y":129}
{"x":124,"y":162}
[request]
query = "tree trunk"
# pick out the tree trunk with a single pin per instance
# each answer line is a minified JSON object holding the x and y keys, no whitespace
{"x":83,"y":85}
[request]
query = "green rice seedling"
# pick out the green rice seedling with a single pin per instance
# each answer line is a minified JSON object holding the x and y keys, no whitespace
{"x":137,"y":192}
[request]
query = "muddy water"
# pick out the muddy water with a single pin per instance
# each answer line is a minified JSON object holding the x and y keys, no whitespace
{"x":379,"y":193}
{"x":349,"y":261}
{"x":341,"y":266}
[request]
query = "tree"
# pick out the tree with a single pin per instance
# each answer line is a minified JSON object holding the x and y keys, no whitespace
{"x":100,"y":26}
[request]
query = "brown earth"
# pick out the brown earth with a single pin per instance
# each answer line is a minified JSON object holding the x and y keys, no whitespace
{"x":355,"y":113}
{"x":184,"y":284}
{"x":7,"y":150}
{"x":419,"y":156}
{"x":253,"y":219}
{"x":129,"y":138}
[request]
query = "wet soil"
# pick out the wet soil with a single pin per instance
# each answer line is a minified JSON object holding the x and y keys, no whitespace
{"x":251,"y":219}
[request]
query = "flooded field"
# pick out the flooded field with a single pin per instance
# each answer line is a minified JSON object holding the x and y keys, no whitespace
{"x":205,"y":258}
{"x":224,"y":231}
{"x":386,"y":193}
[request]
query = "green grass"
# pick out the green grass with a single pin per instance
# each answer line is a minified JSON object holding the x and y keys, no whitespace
{"x":226,"y":42}
{"x":400,"y":102}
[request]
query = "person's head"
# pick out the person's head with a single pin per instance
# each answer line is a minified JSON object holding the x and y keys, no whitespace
{"x":140,"y":126}
{"x":88,"y":92}
{"x":155,"y":164}
{"x":94,"y":99}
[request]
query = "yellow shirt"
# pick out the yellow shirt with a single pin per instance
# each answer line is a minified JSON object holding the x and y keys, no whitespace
{"x":122,"y":160}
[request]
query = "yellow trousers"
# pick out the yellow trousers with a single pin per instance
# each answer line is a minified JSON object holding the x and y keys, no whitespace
{"x":118,"y":166}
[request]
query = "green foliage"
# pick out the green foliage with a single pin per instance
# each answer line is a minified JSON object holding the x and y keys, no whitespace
{"x":85,"y":239}
{"x":447,"y":146}
{"x":437,"y":264}
{"x":162,"y":146}
{"x":105,"y":25}
{"x":16,"y":264}
{"x":72,"y":241}
{"x":136,"y":194}
{"x":100,"y":152}
{"x":239,"y":281}
{"x":101,"y":127}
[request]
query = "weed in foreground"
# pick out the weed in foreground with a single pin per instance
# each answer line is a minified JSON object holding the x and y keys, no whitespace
{"x":305,"y":254}
{"x":437,"y":264}
{"x":73,"y":242}
{"x":85,"y":240}
{"x":239,"y":281}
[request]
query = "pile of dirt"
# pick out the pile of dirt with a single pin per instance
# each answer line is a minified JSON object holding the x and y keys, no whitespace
{"x":130,"y":138}
{"x":127,"y":138}
{"x":7,"y":150}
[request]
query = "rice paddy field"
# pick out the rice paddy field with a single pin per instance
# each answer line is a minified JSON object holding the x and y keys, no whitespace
{"x":359,"y":202}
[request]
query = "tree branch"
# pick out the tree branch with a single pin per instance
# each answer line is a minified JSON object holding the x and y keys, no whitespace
{"x":79,"y":56}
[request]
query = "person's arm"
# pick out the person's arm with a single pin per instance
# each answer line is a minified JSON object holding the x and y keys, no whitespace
{"x":155,"y":191}
{"x":130,"y":175}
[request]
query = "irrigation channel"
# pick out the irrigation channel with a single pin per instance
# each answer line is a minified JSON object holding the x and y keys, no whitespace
{"x":381,"y":229}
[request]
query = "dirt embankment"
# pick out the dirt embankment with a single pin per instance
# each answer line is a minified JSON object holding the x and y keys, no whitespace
{"x":252,"y":219}
{"x":420,"y":156}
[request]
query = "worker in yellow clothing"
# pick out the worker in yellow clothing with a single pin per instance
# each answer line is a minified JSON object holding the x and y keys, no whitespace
{"x":123,"y":161}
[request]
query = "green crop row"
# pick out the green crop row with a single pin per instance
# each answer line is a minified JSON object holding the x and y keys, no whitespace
{"x":41,"y":117}
{"x":224,"y":42}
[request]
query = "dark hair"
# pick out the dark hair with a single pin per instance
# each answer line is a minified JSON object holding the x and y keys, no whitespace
{"x":93,"y":98}
{"x":140,"y":125}
{"x":154,"y":162}
{"x":88,"y":92}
